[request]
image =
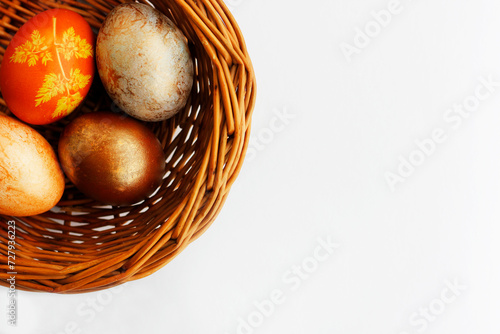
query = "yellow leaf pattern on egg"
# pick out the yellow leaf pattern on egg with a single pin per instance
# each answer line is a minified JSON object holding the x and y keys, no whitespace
{"x":57,"y":84}
{"x":73,"y":45}
{"x":84,"y":49}
{"x":67,"y":104}
{"x":46,"y":57}
{"x":53,"y":85}
{"x":77,"y":80}
{"x":32,"y":50}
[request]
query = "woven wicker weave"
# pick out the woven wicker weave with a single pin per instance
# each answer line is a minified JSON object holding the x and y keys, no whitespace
{"x":83,"y":246}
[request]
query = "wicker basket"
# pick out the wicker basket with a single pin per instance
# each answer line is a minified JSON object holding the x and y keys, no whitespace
{"x":81,"y":245}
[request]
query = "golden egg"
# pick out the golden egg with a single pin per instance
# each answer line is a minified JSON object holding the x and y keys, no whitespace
{"x":112,"y":158}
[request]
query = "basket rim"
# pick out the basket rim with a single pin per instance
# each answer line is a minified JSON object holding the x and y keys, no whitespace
{"x":78,"y":248}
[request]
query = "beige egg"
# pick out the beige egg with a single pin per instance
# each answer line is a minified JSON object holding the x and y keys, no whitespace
{"x":144,"y":62}
{"x":31,"y":181}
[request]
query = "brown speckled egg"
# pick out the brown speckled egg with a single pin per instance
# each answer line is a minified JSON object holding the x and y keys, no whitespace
{"x":144,"y":62}
{"x":111,"y":158}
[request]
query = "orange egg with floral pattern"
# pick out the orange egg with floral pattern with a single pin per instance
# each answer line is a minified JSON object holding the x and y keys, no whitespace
{"x":48,"y":67}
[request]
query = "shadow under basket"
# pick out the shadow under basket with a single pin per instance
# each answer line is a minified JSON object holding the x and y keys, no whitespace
{"x":82,"y":245}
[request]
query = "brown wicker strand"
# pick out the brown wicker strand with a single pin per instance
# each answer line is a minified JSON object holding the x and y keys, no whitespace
{"x":82,"y":245}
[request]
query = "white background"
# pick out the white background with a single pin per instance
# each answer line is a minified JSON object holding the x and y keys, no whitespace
{"x":320,"y":173}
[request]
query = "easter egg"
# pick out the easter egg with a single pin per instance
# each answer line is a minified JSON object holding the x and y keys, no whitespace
{"x":48,"y":67}
{"x":144,"y":62}
{"x":111,"y":158}
{"x":31,"y":181}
